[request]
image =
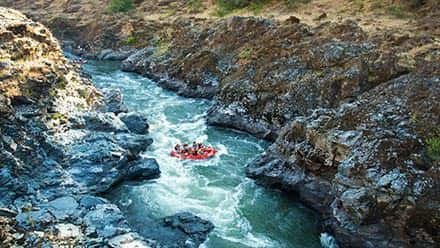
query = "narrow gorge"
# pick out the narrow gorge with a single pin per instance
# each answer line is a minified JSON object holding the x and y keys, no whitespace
{"x":326,"y":124}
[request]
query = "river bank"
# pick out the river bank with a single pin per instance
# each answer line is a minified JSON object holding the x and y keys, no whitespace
{"x":216,"y":189}
{"x":63,"y":144}
{"x":322,"y":94}
{"x":87,"y":145}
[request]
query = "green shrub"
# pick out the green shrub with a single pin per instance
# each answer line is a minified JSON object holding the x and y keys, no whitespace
{"x":162,"y":47}
{"x":358,"y":4}
{"x":257,"y":7}
{"x":433,"y":148}
{"x":131,"y":40}
{"x":120,"y":6}
{"x":294,"y":3}
{"x":225,"y":7}
{"x":371,"y":77}
{"x":84,"y":93}
{"x":62,"y":84}
{"x":195,"y":6}
{"x":246,"y":54}
{"x":397,"y":11}
{"x":58,"y":116}
{"x":220,"y":12}
{"x":52,"y":93}
{"x":231,"y":5}
{"x":163,"y":42}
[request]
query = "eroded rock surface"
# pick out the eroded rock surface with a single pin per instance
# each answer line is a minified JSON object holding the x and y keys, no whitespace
{"x":263,"y":73}
{"x":350,"y":113}
{"x":363,"y":165}
{"x":61,"y":141}
{"x":191,"y":229}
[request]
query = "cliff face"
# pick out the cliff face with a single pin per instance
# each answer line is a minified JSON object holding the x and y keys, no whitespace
{"x":262,"y":73}
{"x":49,"y":170}
{"x":350,"y":113}
{"x":363,"y":165}
{"x":33,"y":68}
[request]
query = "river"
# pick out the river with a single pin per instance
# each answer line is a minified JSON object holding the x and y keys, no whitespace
{"x":244,"y":214}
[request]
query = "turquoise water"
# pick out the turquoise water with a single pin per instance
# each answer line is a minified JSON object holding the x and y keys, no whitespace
{"x":244,"y":214}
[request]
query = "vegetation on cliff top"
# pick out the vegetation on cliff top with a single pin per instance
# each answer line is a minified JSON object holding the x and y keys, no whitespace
{"x":120,"y":6}
{"x":225,"y":7}
{"x":433,"y":147}
{"x":131,"y":40}
{"x":195,"y":6}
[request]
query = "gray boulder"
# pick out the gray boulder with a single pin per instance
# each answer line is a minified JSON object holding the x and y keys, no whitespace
{"x":109,"y":54}
{"x":89,"y":201}
{"x":144,"y":169}
{"x":135,"y":122}
{"x":105,"y":221}
{"x":192,"y":229}
{"x":131,"y":63}
{"x":113,"y":101}
{"x":63,"y":207}
{"x":97,"y":121}
{"x":135,"y":144}
{"x":34,"y":219}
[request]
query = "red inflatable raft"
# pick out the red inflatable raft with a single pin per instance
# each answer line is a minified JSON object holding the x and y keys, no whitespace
{"x":209,"y":152}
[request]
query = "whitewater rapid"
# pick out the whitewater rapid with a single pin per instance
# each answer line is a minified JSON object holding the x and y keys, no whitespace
{"x":244,"y":214}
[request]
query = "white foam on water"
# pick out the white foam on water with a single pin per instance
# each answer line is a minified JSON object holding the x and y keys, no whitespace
{"x":222,"y":150}
{"x":181,"y":187}
{"x":328,"y":241}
